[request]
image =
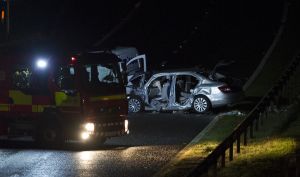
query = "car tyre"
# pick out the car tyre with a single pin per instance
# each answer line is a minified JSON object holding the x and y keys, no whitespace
{"x":135,"y":105}
{"x":201,"y":104}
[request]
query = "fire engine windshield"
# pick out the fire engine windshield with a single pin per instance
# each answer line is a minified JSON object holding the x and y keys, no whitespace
{"x":100,"y":75}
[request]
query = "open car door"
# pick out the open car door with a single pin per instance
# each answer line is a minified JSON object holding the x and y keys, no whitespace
{"x":223,"y":72}
{"x":134,"y":66}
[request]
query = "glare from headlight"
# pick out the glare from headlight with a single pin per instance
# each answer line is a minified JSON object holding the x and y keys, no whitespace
{"x":85,"y":135}
{"x":89,"y":127}
{"x":126,"y":123}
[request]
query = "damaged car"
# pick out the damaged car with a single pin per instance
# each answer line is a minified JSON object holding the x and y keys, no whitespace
{"x":171,"y":90}
{"x":180,"y":90}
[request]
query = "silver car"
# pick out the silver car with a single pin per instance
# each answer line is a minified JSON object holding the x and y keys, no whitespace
{"x":179,"y":90}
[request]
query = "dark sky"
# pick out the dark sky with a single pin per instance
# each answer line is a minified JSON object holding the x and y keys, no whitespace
{"x":183,"y":33}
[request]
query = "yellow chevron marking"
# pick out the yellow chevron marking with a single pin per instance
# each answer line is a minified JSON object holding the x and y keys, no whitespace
{"x":4,"y":107}
{"x":62,"y":99}
{"x":34,"y":108}
{"x":20,"y":98}
{"x":39,"y":108}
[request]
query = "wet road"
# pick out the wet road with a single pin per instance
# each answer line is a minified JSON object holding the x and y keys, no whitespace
{"x":154,"y":139}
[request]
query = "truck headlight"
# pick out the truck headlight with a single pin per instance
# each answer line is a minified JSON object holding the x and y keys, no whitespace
{"x":126,"y":126}
{"x":87,"y":130}
{"x":85,"y":135}
{"x":90,"y":127}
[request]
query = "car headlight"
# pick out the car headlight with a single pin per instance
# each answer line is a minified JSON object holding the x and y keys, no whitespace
{"x":90,"y":127}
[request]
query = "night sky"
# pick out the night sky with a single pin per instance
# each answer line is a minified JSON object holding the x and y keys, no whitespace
{"x":181,"y":32}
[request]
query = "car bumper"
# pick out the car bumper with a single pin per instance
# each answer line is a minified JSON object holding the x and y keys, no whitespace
{"x":225,"y":99}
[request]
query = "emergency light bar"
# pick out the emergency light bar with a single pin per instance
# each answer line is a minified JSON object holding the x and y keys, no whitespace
{"x":42,"y":63}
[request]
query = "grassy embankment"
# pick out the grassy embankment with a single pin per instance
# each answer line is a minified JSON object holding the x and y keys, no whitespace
{"x":273,"y":152}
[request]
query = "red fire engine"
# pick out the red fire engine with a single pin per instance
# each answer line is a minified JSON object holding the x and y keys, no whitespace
{"x":53,"y":101}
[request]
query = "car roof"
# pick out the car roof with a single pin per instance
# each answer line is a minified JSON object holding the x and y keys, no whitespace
{"x":182,"y":70}
{"x":180,"y":73}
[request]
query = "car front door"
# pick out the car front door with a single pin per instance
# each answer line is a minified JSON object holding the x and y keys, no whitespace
{"x":134,"y":68}
{"x":136,"y":65}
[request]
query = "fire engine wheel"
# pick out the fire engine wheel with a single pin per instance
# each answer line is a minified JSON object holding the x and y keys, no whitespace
{"x":135,"y":105}
{"x":201,"y":104}
{"x":50,"y":136}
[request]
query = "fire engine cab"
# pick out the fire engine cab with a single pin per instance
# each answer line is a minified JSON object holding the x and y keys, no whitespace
{"x":53,"y":100}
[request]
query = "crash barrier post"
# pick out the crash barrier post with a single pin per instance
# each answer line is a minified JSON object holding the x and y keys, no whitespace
{"x":286,"y":88}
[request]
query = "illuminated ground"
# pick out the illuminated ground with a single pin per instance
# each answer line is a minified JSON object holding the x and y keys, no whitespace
{"x":154,"y":140}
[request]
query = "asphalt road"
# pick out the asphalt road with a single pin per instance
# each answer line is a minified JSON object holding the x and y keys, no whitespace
{"x":153,"y":141}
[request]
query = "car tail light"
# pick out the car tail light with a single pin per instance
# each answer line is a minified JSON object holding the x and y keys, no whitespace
{"x":225,"y":89}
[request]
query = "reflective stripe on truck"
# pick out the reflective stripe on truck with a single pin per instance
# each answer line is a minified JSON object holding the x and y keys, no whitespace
{"x":108,"y":97}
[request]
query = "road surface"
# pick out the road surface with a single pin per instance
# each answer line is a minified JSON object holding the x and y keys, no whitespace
{"x":154,"y":139}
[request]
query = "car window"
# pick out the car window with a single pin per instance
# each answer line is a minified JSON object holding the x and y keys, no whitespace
{"x":155,"y":87}
{"x":137,"y":82}
{"x":186,"y":82}
{"x":135,"y":66}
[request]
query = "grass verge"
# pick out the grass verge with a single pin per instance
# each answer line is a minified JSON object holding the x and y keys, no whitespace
{"x":271,"y":153}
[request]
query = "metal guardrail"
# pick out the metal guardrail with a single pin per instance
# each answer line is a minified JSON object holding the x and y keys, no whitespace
{"x":286,"y":88}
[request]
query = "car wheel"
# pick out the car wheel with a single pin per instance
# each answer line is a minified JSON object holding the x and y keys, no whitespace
{"x":135,"y":105}
{"x":201,"y":104}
